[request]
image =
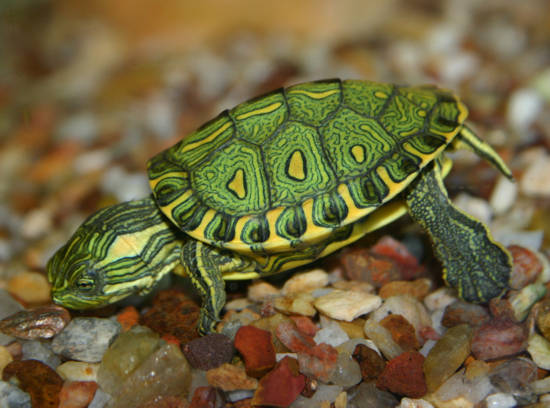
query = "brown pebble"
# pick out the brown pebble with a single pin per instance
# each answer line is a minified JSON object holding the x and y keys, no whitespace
{"x":403,"y":375}
{"x":173,"y":313}
{"x":370,"y":362}
{"x":498,"y":338}
{"x":41,"y":322}
{"x":256,"y":347}
{"x":402,"y":332}
{"x":418,"y":288}
{"x":40,"y":381}
{"x":209,"y":351}
{"x":461,"y":312}
{"x":77,"y":394}
{"x":359,"y":264}
{"x":526,"y":267}
{"x":204,"y":397}
{"x":229,"y":377}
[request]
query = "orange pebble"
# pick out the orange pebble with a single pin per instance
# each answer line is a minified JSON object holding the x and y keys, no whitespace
{"x":128,"y":318}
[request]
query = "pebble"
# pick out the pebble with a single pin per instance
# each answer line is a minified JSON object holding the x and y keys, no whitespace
{"x":539,"y":349}
{"x":78,"y":371}
{"x":124,"y":355}
{"x":503,"y":196}
{"x":498,"y":338}
{"x":346,"y":372}
{"x":261,"y":291}
{"x":306,"y":325}
{"x":522,"y":301}
{"x":305,"y":282}
{"x":209,"y":351}
{"x":353,"y":285}
{"x":5,"y":358}
{"x":542,"y":317}
{"x":369,"y":395}
{"x":534,"y":180}
{"x":407,"y":306}
{"x":318,"y":362}
{"x":165,"y":372}
{"x":514,"y":376}
{"x":101,"y":399}
{"x":402,"y":332}
{"x":403,"y":375}
{"x":299,"y":303}
{"x":173,"y":313}
{"x":8,"y":307}
{"x":41,"y":351}
{"x":526,"y":267}
{"x":347,"y":305}
{"x":371,"y":364}
{"x":292,"y":338}
{"x":440,"y":298}
{"x":500,"y":400}
{"x":40,"y":381}
{"x":330,"y":333}
{"x":447,"y":355}
{"x":524,"y":105}
{"x":30,"y":287}
{"x":85,"y":339}
{"x":360,"y":265}
{"x":229,"y":377}
{"x":284,"y":376}
{"x":460,"y":312}
{"x":382,"y":338}
{"x":398,"y":252}
{"x":13,"y":397}
{"x":42,"y":322}
{"x":256,"y":347}
{"x":77,"y":394}
{"x":418,"y":288}
{"x":462,"y":391}
{"x":414,"y":403}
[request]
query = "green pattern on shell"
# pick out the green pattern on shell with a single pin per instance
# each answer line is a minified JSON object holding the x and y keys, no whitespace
{"x":294,"y":145}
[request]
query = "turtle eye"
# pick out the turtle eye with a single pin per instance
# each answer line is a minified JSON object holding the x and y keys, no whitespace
{"x":85,"y":284}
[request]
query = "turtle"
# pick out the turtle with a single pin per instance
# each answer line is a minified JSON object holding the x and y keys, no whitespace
{"x":280,"y":181}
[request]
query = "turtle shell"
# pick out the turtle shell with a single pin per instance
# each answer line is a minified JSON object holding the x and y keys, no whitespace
{"x":289,"y":167}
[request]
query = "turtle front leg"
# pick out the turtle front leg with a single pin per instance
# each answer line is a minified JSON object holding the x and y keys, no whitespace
{"x":205,"y":265}
{"x":473,"y":263}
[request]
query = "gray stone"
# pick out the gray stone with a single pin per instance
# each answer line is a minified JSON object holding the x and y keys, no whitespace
{"x":41,"y":351}
{"x":85,"y":339}
{"x":12,"y":397}
{"x":101,"y":399}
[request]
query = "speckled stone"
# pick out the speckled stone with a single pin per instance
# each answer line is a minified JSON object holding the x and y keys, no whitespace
{"x":86,"y":339}
{"x":41,"y":322}
{"x":209,"y":351}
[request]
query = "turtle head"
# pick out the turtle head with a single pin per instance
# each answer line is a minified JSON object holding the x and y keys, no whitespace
{"x":119,"y":250}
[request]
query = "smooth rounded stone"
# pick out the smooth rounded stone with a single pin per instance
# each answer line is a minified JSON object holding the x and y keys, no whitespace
{"x":498,"y":338}
{"x":5,"y":358}
{"x":41,"y":351}
{"x":31,"y":287}
{"x":407,"y":306}
{"x":8,"y":306}
{"x":524,"y":105}
{"x":298,"y":303}
{"x":539,"y":349}
{"x":126,"y":353}
{"x":41,"y":322}
{"x":261,"y":291}
{"x":447,"y":355}
{"x":500,"y":400}
{"x":368,"y":395}
{"x":463,"y":388}
{"x":523,"y":300}
{"x":534,"y":181}
{"x":101,"y":399}
{"x":165,"y":372}
{"x":330,"y":333}
{"x":440,"y":298}
{"x":414,"y":403}
{"x":349,"y":346}
{"x":347,"y":305}
{"x":85,"y":339}
{"x":305,"y":282}
{"x":460,"y":312}
{"x":504,"y":195}
{"x":382,"y":338}
{"x":13,"y":397}
{"x":347,"y":372}
{"x":78,"y":371}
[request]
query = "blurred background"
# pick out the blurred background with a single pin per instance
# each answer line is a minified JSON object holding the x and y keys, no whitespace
{"x":90,"y":90}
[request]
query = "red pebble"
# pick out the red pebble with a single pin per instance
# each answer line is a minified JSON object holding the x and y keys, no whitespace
{"x":281,"y":386}
{"x":292,"y":338}
{"x":407,"y":263}
{"x":305,"y":325}
{"x":403,"y":375}
{"x":204,"y":397}
{"x":319,"y":361}
{"x":256,"y":347}
{"x":498,"y":338}
{"x":526,"y":267}
{"x":77,"y":394}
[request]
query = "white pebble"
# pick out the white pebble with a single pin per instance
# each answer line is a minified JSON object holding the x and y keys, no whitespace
{"x":440,"y":298}
{"x":504,"y":195}
{"x":347,"y":305}
{"x":331,"y":333}
{"x":94,"y":160}
{"x":534,"y":181}
{"x":539,"y":349}
{"x":524,"y":106}
{"x":414,"y":403}
{"x":500,"y":400}
{"x":476,"y":207}
{"x":304,"y":282}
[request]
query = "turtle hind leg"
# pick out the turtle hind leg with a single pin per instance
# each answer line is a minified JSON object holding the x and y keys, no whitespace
{"x":474,"y":264}
{"x":205,"y":265}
